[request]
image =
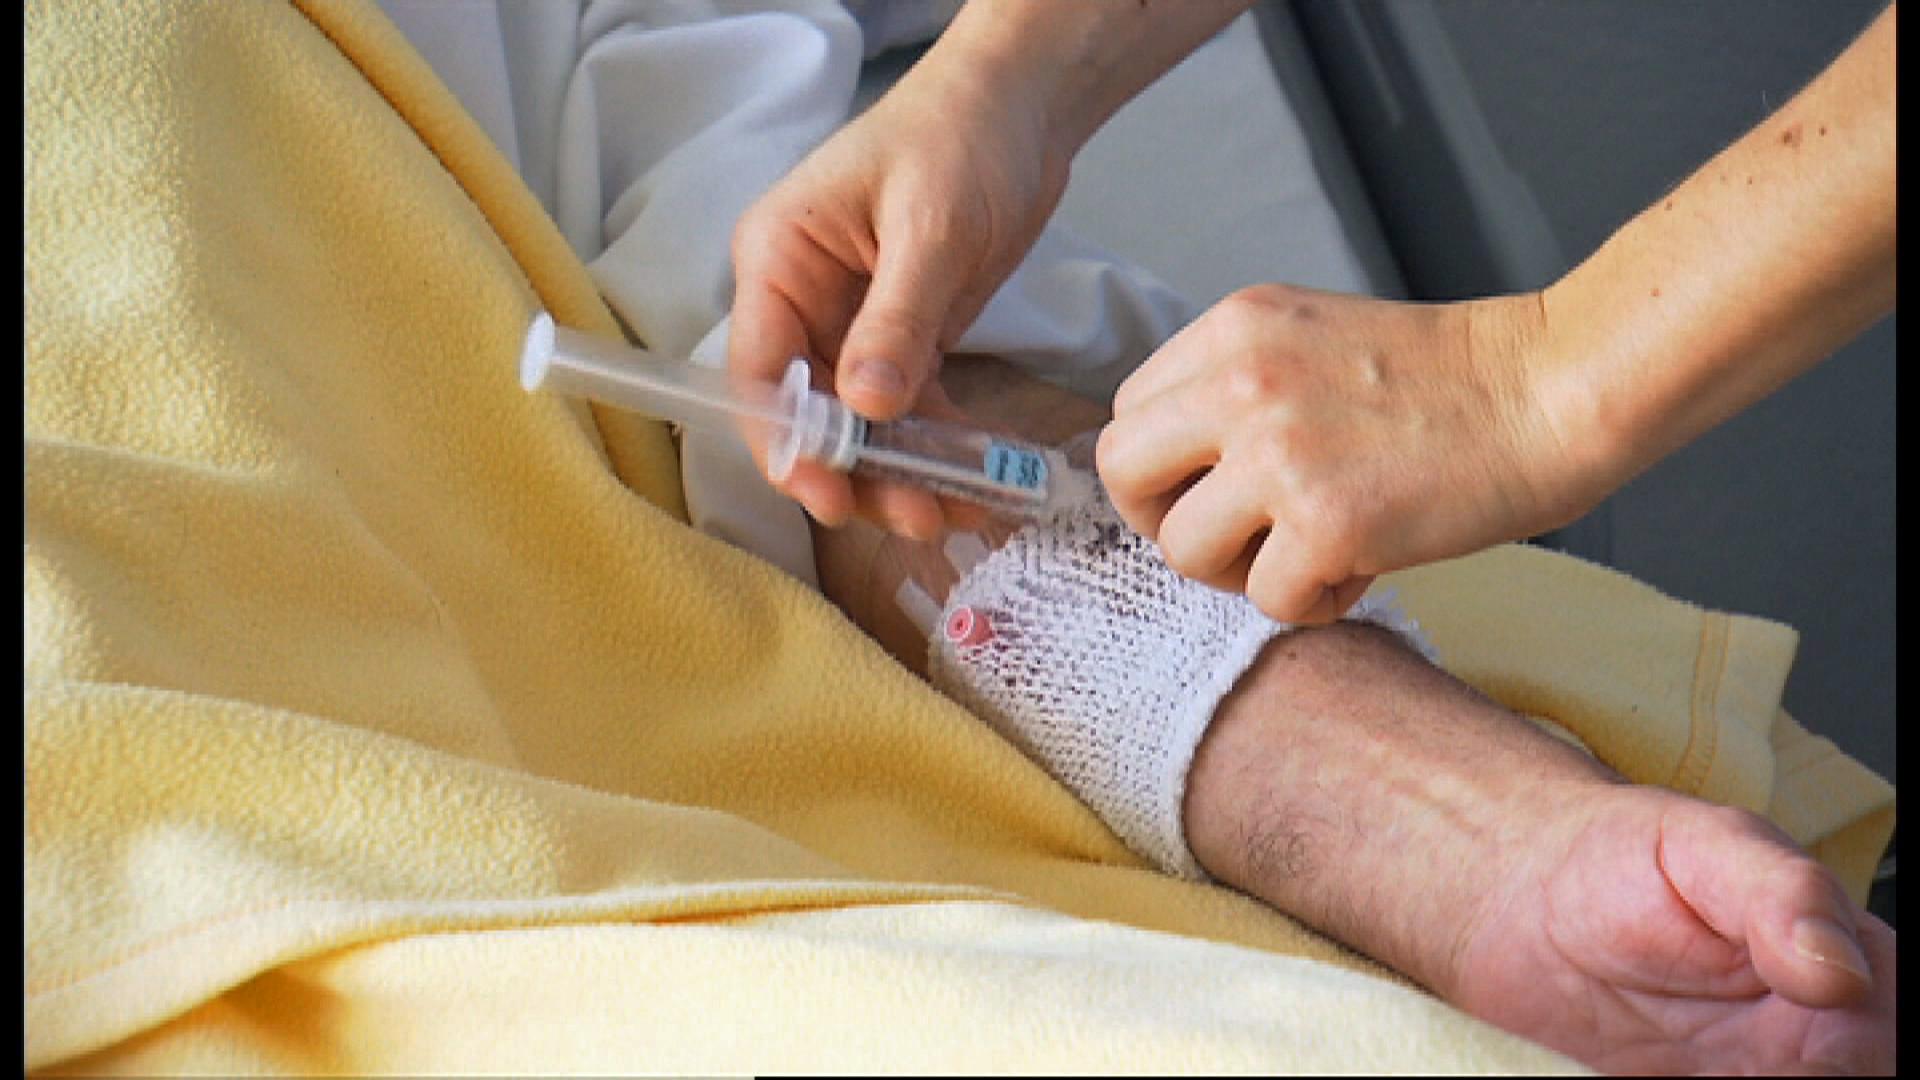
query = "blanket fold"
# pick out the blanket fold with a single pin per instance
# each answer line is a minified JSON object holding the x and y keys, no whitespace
{"x":382,"y":717}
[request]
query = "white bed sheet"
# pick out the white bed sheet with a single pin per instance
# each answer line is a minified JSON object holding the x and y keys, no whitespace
{"x":1202,"y":184}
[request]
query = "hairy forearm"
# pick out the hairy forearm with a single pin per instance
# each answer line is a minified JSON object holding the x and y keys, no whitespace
{"x":1351,"y":784}
{"x":1082,"y":59}
{"x":1760,"y":264}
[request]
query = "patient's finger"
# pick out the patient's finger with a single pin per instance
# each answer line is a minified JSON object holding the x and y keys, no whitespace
{"x":1747,"y":881}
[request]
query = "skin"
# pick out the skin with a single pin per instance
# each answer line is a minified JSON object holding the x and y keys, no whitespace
{"x":883,"y":245}
{"x":1632,"y":928}
{"x":1342,"y":437}
{"x":1629,"y":927}
{"x":1292,"y":444}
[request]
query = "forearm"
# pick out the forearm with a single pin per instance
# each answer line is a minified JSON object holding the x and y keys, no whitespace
{"x":1775,"y":253}
{"x":1082,"y":59}
{"x":1344,"y":774}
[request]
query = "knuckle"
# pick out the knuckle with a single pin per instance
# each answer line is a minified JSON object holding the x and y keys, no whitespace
{"x":922,"y":222}
{"x":1737,"y":822}
{"x":1269,"y":299}
{"x":1261,"y":314}
{"x":1237,"y":315}
{"x":1253,"y":384}
{"x":1274,"y":454}
{"x":1801,"y":882}
{"x":1794,"y":874}
{"x":750,"y":231}
{"x":1336,"y":519}
{"x":1801,"y":876}
{"x":764,"y":243}
{"x":1252,"y":299}
{"x":893,"y":333}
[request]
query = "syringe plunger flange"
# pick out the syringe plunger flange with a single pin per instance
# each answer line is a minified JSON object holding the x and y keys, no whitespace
{"x":818,"y":427}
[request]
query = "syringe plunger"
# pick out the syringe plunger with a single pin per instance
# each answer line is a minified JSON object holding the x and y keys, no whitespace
{"x":801,"y":423}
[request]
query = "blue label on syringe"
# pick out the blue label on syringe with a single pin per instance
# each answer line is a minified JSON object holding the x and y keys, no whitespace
{"x":1016,"y":466}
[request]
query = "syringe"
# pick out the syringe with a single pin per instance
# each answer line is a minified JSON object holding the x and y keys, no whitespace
{"x":1006,"y":475}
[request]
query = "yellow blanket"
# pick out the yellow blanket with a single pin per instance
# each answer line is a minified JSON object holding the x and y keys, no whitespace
{"x":383,"y":718}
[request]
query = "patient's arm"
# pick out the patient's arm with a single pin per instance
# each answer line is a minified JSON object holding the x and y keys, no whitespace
{"x":1367,"y":793}
{"x":1358,"y":788}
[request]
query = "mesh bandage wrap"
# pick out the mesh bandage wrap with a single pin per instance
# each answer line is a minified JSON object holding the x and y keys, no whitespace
{"x":1104,"y":666}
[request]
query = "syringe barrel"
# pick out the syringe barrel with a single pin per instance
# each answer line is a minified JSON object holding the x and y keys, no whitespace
{"x":559,"y":360}
{"x":797,"y":422}
{"x":948,"y":459}
{"x":994,"y":471}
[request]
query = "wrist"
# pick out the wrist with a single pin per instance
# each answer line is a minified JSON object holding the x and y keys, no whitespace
{"x":1047,"y":75}
{"x":1565,"y":443}
{"x":1015,"y":108}
{"x":1077,"y":62}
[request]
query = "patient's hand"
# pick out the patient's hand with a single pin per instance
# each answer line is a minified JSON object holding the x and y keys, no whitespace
{"x":1356,"y":787}
{"x":1657,"y":933}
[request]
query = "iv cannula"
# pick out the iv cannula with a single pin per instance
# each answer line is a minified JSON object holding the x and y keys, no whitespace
{"x":799,"y":422}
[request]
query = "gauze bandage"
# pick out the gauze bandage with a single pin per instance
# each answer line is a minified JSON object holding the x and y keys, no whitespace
{"x":1079,"y":645}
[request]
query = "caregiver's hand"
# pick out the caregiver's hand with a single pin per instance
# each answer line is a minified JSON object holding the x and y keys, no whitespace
{"x":879,"y":249}
{"x":1292,"y":444}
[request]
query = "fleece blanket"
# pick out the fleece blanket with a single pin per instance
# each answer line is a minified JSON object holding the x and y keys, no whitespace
{"x":383,"y":718}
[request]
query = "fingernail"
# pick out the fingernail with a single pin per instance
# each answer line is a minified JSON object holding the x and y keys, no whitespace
{"x":1823,"y":941}
{"x":879,"y":378}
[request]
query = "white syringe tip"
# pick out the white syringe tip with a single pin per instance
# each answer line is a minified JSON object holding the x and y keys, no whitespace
{"x":536,"y":355}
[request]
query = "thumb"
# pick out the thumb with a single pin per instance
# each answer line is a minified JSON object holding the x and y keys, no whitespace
{"x":893,"y":345}
{"x":1754,"y":889}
